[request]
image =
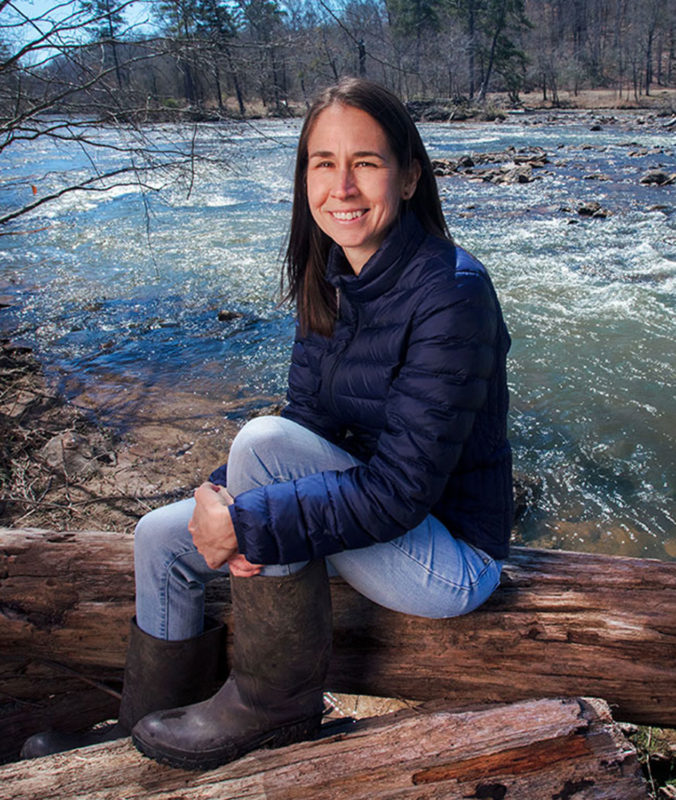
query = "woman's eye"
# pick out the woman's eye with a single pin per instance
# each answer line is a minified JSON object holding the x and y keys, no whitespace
{"x":365,"y":164}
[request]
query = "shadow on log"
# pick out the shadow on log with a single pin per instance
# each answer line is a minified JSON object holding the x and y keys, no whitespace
{"x":562,"y":624}
{"x":550,"y":748}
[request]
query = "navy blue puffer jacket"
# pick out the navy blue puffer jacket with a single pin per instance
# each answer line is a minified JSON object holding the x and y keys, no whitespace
{"x":413,"y":383}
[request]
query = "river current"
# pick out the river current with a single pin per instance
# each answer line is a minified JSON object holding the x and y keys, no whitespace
{"x":125,"y":288}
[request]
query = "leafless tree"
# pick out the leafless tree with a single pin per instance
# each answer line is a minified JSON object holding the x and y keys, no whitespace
{"x":61,"y":86}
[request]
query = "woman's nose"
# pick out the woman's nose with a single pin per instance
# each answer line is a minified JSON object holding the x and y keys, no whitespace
{"x":344,"y":185}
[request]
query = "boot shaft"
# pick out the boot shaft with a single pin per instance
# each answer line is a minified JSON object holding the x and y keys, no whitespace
{"x":161,"y":674}
{"x":283,"y":636}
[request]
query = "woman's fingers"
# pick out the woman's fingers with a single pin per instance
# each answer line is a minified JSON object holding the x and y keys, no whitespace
{"x":241,"y":568}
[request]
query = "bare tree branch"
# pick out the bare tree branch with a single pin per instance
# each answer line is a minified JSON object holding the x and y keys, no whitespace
{"x":87,"y":185}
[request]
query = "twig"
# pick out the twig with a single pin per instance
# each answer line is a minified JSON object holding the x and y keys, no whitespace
{"x":57,"y":665}
{"x":19,"y":700}
{"x":90,"y":681}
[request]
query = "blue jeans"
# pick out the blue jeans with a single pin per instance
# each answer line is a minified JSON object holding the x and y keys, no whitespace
{"x":426,"y":572}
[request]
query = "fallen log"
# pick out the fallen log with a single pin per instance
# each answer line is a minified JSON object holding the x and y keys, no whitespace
{"x":561,"y":624}
{"x":554,"y":748}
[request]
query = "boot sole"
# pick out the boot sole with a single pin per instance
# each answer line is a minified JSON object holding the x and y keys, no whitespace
{"x":232,"y":750}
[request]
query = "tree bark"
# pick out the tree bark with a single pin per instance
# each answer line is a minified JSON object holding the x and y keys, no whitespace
{"x":561,"y":623}
{"x":499,"y":26}
{"x":556,"y":748}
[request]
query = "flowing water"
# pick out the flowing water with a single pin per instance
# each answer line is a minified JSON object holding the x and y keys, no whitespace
{"x":124,"y":289}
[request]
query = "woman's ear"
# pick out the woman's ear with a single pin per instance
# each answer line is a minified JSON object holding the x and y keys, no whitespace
{"x":410,"y":181}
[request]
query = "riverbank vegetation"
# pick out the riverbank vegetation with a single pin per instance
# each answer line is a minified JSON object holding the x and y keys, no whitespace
{"x":251,"y":56}
{"x":61,"y":468}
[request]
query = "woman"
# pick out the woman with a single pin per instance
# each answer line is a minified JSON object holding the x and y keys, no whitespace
{"x":389,"y":465}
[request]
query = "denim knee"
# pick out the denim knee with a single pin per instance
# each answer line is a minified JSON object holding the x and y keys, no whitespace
{"x":160,"y":533}
{"x":250,"y":451}
{"x":144,"y":538}
{"x":148,"y":535}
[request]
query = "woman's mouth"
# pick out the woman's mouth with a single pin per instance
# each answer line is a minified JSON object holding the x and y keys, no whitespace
{"x":348,"y":216}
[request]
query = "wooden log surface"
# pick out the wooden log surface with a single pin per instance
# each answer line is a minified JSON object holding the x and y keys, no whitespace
{"x":548,"y":748}
{"x":562,"y":623}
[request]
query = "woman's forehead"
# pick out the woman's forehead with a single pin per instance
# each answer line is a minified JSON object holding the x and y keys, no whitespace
{"x":339,"y":123}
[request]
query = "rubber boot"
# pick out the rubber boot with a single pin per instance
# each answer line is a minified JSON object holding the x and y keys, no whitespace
{"x":274,"y":694}
{"x":158,"y":674}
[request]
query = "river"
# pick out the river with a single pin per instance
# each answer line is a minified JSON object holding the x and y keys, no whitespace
{"x":124,"y":288}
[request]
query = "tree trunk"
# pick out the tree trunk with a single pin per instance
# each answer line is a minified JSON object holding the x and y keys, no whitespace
{"x":499,"y":25}
{"x":561,"y":624}
{"x":556,"y":748}
{"x":361,"y":58}
{"x":649,"y":61}
{"x":329,"y":57}
{"x":113,"y":44}
{"x":217,"y":83}
{"x":471,"y":35}
{"x":235,"y":82}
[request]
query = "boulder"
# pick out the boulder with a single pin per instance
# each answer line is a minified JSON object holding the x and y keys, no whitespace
{"x":592,"y":209}
{"x":658,"y":177}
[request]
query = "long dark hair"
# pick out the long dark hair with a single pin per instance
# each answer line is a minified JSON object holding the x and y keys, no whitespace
{"x":308,"y":245}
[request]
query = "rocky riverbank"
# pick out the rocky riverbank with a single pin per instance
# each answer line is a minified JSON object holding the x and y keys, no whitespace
{"x":61,"y":469}
{"x":521,"y":165}
{"x":498,"y":106}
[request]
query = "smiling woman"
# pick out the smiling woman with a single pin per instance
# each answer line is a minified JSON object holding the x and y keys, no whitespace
{"x":393,"y":148}
{"x":389,"y":464}
{"x":354,"y":183}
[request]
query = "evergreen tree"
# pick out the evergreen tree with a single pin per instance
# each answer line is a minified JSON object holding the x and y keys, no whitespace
{"x":218,"y":23}
{"x":107,"y":22}
{"x":178,"y":19}
{"x":490,"y":27}
{"x":500,"y":20}
{"x":414,"y":19}
{"x":265,"y":21}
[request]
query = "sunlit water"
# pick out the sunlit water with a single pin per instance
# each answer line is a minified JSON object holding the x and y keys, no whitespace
{"x":121,"y":288}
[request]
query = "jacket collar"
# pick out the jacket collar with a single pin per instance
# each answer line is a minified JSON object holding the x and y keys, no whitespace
{"x":384,"y":267}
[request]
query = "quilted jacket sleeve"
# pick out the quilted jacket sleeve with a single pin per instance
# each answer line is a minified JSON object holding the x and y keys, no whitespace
{"x":429,"y":413}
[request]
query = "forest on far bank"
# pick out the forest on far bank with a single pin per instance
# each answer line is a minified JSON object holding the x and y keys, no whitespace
{"x":241,"y":57}
{"x":67,"y":66}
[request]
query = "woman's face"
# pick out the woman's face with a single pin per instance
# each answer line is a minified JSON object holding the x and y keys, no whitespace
{"x":354,"y":183}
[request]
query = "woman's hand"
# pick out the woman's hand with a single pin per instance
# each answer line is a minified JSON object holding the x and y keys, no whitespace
{"x":241,"y":568}
{"x":213,"y":533}
{"x":211,"y":526}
